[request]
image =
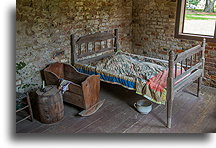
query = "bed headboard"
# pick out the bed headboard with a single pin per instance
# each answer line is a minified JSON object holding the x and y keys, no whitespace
{"x":93,"y":47}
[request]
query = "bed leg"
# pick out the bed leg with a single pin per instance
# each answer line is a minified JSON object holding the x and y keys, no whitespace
{"x":199,"y":86}
{"x":170,"y":88}
{"x":169,"y":112}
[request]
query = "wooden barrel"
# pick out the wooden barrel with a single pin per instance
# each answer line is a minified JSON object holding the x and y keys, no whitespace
{"x":50,"y":105}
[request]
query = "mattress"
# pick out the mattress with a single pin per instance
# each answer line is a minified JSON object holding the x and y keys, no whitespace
{"x":147,"y":76}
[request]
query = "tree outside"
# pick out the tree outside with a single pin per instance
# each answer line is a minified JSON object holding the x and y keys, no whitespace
{"x":202,"y":5}
{"x":200,"y":17}
{"x":209,"y":6}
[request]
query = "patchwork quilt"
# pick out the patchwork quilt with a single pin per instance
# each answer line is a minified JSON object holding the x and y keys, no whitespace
{"x":147,"y":76}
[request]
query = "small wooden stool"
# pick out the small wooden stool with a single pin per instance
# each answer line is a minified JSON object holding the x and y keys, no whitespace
{"x":22,"y":104}
{"x":50,"y":104}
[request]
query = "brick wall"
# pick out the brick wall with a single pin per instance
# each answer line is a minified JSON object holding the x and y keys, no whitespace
{"x":43,"y":30}
{"x":153,"y":34}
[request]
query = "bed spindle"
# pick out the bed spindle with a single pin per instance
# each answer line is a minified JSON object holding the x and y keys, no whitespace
{"x":195,"y":58}
{"x":79,"y":49}
{"x":116,"y":40}
{"x":186,"y":64}
{"x":106,"y":46}
{"x":100,"y":45}
{"x":191,"y":61}
{"x":87,"y":46}
{"x":93,"y":46}
{"x":200,"y":56}
{"x":111,"y":42}
{"x":181,"y":66}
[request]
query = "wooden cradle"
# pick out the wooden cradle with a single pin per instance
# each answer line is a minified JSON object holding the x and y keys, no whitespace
{"x":192,"y":60}
{"x":83,"y":91}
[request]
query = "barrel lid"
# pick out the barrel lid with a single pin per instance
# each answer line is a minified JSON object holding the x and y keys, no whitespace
{"x":50,"y":90}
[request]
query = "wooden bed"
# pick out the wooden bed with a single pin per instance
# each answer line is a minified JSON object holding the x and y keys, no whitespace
{"x":191,"y":62}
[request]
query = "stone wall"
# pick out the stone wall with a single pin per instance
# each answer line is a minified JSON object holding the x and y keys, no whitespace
{"x":43,"y":29}
{"x":153,"y":34}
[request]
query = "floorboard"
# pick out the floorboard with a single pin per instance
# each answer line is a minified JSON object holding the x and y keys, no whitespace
{"x":117,"y":115}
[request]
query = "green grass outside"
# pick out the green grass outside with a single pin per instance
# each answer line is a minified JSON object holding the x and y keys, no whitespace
{"x":201,"y":10}
{"x":193,"y":16}
{"x":199,"y":17}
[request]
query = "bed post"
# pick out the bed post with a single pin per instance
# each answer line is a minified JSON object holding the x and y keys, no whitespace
{"x":116,"y":39}
{"x":203,"y":64}
{"x":170,"y":91}
{"x":73,"y":52}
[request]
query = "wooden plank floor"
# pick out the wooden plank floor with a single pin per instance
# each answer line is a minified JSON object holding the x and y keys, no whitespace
{"x":117,"y":115}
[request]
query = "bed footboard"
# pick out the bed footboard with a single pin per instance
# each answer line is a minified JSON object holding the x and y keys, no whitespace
{"x":184,"y":69}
